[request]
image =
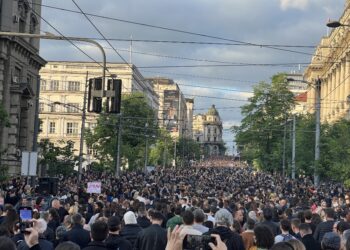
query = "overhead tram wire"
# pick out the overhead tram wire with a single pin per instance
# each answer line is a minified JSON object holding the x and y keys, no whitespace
{"x":61,"y":34}
{"x":177,"y":30}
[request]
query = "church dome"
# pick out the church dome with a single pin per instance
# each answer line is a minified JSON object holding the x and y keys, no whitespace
{"x":212,"y":111}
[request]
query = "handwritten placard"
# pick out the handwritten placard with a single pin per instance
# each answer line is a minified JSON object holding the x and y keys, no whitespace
{"x":94,"y":187}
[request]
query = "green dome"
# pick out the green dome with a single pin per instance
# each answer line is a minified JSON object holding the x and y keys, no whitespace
{"x":213,"y":111}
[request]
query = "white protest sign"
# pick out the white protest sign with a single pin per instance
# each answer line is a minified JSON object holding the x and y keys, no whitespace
{"x":94,"y":187}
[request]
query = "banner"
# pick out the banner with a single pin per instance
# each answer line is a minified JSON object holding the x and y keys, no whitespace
{"x":94,"y":187}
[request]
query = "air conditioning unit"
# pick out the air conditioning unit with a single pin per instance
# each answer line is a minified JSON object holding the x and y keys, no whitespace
{"x":15,"y":19}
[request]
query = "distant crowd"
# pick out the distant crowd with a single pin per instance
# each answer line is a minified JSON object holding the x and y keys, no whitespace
{"x":208,"y":207}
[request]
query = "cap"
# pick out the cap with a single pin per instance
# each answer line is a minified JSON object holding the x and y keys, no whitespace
{"x":113,"y":221}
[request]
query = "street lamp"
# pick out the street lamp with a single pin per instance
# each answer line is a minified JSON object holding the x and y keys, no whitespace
{"x":61,"y":38}
{"x":336,"y":24}
{"x":146,"y":148}
{"x":317,"y":88}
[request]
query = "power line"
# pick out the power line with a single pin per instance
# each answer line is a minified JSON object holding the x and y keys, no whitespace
{"x":178,"y":30}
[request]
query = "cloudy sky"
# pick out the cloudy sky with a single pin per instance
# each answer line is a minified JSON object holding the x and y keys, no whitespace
{"x":208,"y":45}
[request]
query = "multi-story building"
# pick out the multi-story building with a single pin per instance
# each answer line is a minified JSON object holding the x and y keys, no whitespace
{"x":331,"y":64}
{"x":62,"y":96}
{"x":189,"y":105}
{"x":207,"y":130}
{"x":19,"y":78}
{"x":173,"y":110}
{"x":298,"y":87}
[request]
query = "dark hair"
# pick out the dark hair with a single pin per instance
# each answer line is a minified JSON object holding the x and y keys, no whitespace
{"x":54,"y":214}
{"x":285,"y":225}
{"x":178,"y":210}
{"x":264,"y":237}
{"x":76,"y":218}
{"x":342,"y":226}
{"x":250,"y":224}
{"x":209,"y":224}
{"x":156,"y":215}
{"x":7,"y":243}
{"x":316,"y":219}
{"x":267,"y":212}
{"x":4,"y":231}
{"x":329,"y":213}
{"x":305,"y":227}
{"x":68,"y":245}
{"x":99,"y":231}
{"x":188,"y":217}
{"x":307,"y":214}
{"x":295,"y":222}
{"x":282,"y":246}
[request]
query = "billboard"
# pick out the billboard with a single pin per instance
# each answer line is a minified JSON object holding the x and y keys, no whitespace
{"x":171,"y":109}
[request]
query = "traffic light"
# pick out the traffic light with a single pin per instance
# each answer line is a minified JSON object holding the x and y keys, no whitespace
{"x":95,"y":94}
{"x":114,"y":95}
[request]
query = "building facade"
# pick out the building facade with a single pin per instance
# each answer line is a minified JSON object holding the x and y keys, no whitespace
{"x":62,"y":96}
{"x":331,"y":64}
{"x":19,"y":78}
{"x":299,"y":88}
{"x":173,"y":110}
{"x":207,"y":130}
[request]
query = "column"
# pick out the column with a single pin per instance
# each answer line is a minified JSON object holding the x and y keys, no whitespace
{"x":347,"y":83}
{"x":329,"y":87}
{"x":322,"y":94}
{"x":337,"y":90}
{"x":332,"y":95}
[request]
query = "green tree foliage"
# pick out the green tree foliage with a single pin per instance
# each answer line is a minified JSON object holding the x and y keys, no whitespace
{"x":135,"y":114}
{"x":260,"y":131}
{"x":56,"y":159}
{"x":187,"y":150}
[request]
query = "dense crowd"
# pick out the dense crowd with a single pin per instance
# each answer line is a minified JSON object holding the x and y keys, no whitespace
{"x":194,"y":208}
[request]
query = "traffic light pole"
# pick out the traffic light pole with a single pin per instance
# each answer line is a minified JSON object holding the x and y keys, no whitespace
{"x":82,"y":130}
{"x":317,"y":133}
{"x":117,"y":160}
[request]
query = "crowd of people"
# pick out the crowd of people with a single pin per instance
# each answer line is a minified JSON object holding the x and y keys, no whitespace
{"x":174,"y":209}
{"x":220,"y":161}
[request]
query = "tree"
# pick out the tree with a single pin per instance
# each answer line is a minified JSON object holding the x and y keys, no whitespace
{"x":136,"y":121}
{"x":56,"y":160}
{"x":187,"y":150}
{"x":261,"y":129}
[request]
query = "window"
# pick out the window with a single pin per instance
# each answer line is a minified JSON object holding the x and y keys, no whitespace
{"x":73,"y":86}
{"x":92,"y":152}
{"x":208,"y":138}
{"x":72,"y":107}
{"x":22,"y":25}
{"x":91,"y":125}
{"x":43,"y":85}
{"x":53,"y":107}
{"x":41,"y":107}
{"x":17,"y":75}
{"x":54,"y":85}
{"x":52,"y":127}
{"x":208,"y":130}
{"x":197,"y":138}
{"x":214,"y":138}
{"x":72,"y":128}
{"x":215,"y":130}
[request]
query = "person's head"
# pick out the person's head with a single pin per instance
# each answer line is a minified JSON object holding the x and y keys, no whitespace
{"x":178,"y":210}
{"x":282,"y":246}
{"x":113,"y":224}
{"x":297,"y":244}
{"x":268,"y":213}
{"x":156,"y":217}
{"x":250,"y":224}
{"x":68,"y":245}
{"x":305,"y":229}
{"x":263,"y":236}
{"x":223,"y":218}
{"x":285,"y":225}
{"x":53,"y":214}
{"x":330,"y":214}
{"x":6,"y":243}
{"x":55,"y":203}
{"x":342,"y":226}
{"x":60,"y":231}
{"x":199,"y":216}
{"x":188,"y":218}
{"x":308,"y":215}
{"x":129,"y":218}
{"x":239,"y":216}
{"x":76,"y":219}
{"x":295,"y":224}
{"x":99,"y":231}
{"x":330,"y":241}
{"x":40,"y":226}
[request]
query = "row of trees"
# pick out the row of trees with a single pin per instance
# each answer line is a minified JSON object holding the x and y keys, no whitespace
{"x":261,"y":135}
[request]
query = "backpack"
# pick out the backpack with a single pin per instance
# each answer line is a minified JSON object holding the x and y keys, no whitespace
{"x":287,"y":237}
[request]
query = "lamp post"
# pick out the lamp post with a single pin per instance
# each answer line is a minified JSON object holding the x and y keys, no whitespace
{"x":317,"y":88}
{"x":61,"y":38}
{"x":146,"y":148}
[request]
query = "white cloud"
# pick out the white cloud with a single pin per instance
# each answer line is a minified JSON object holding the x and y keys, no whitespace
{"x":294,"y":4}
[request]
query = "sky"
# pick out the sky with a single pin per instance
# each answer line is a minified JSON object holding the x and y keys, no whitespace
{"x":211,"y":49}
